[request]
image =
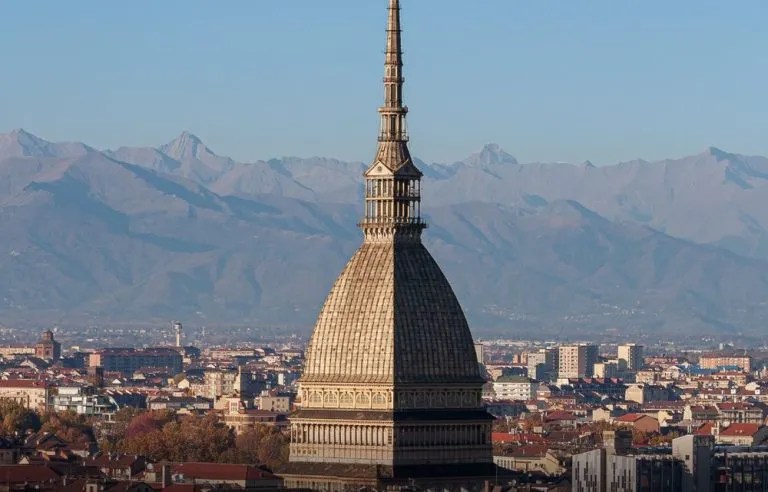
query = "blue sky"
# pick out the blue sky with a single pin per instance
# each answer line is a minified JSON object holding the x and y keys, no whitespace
{"x":552,"y":81}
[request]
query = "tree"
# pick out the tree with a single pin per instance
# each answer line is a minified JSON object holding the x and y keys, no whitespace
{"x":273,"y":451}
{"x":146,"y":422}
{"x":189,"y":438}
{"x":68,"y":426}
{"x":164,"y":437}
{"x":263,"y":444}
{"x":17,"y":419}
{"x":113,"y":432}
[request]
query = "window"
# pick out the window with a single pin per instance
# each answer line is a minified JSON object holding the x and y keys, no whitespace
{"x":379,"y":400}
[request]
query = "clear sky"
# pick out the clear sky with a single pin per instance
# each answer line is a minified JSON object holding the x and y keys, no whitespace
{"x":603,"y":80}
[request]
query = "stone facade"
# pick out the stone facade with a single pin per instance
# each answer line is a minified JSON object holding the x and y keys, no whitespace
{"x":391,"y":391}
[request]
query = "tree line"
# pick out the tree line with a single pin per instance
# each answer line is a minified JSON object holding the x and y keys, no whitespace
{"x":157,"y":435}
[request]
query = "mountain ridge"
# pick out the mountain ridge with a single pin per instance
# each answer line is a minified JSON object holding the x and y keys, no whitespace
{"x":137,"y":233}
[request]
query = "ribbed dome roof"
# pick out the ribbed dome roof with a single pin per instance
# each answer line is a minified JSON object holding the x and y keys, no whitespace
{"x":391,"y":317}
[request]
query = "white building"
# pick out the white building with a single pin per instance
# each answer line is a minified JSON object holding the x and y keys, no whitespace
{"x":84,"y":402}
{"x":514,"y":388}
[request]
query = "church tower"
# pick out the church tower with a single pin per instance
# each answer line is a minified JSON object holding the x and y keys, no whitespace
{"x":391,"y":390}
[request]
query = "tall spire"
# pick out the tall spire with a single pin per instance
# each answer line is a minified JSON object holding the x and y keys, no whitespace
{"x":393,"y":135}
{"x":393,"y":63}
{"x":393,"y":183}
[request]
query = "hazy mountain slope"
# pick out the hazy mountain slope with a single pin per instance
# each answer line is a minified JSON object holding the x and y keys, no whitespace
{"x":107,"y":237}
{"x":545,"y":264}
{"x":198,"y":162}
{"x":110,"y":239}
{"x":180,"y":232}
{"x":20,"y":143}
{"x":713,"y":197}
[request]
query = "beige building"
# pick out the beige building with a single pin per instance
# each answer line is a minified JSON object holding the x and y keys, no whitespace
{"x":606,"y":370}
{"x":276,"y":403}
{"x":543,"y":364}
{"x":572,"y":362}
{"x":632,"y":354}
{"x":532,"y":459}
{"x":391,"y":389}
{"x":644,"y":393}
{"x":231,"y":353}
{"x":713,"y":361}
{"x":222,"y":382}
{"x":31,"y":393}
{"x":9,"y":351}
{"x":741,"y":434}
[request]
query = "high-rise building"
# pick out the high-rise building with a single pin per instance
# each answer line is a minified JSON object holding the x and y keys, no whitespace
{"x":593,"y":356}
{"x":480,"y":352}
{"x":391,"y":390}
{"x":632,"y":354}
{"x":573,"y":362}
{"x":544,"y":364}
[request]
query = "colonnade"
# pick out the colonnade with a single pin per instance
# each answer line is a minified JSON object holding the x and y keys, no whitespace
{"x":343,"y":434}
{"x":443,"y":435}
{"x":382,"y":435}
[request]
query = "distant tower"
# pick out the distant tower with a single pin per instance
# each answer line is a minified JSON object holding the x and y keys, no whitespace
{"x":48,"y":348}
{"x":177,"y":328}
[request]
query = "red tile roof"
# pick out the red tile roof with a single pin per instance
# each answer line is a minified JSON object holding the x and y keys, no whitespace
{"x":530,"y":451}
{"x":521,"y":437}
{"x":559,"y":416}
{"x":27,"y":473}
{"x":23,"y":383}
{"x":502,"y":437}
{"x":705,"y":429}
{"x":737,"y":406}
{"x":736,"y":430}
{"x":220,"y":471}
{"x":112,"y":461}
{"x":632,"y":417}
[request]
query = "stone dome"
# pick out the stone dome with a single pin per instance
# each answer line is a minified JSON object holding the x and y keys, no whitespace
{"x":391,"y":317}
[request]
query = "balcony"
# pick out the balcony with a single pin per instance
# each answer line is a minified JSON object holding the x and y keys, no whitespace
{"x":393,"y":221}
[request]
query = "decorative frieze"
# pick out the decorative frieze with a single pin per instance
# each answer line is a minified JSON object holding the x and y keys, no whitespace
{"x":383,"y":398}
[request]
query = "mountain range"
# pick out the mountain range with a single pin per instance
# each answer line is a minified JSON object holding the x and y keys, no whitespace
{"x":177,"y":231}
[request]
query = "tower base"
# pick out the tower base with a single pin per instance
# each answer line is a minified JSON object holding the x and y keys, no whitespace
{"x":326,"y":477}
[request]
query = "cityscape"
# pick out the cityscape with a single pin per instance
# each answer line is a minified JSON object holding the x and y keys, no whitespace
{"x":628,"y":356}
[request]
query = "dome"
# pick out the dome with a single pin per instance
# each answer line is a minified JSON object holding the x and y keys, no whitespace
{"x":391,"y":317}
